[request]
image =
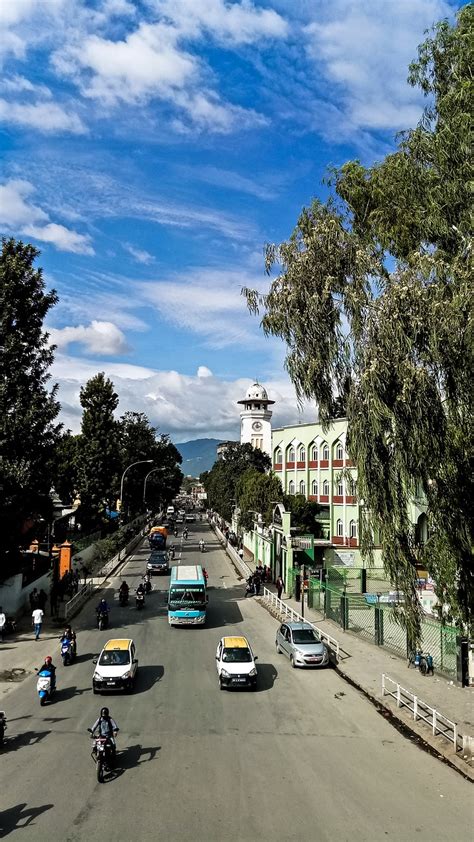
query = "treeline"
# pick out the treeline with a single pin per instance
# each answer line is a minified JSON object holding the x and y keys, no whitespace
{"x":36,"y":453}
{"x":243,"y":480}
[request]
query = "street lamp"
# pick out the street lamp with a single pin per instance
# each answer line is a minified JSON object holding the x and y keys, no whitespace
{"x":146,"y":480}
{"x":140,"y":462}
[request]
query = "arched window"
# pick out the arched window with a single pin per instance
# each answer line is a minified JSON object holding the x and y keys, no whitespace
{"x":325,"y":488}
{"x":302,"y":487}
{"x":339,"y":451}
{"x":291,"y":454}
{"x":325,"y":452}
{"x":291,"y":487}
{"x":339,"y":529}
{"x":314,"y":488}
{"x":314,"y":453}
{"x":278,"y":456}
{"x":302,"y":455}
{"x":340,"y":488}
{"x":353,"y":529}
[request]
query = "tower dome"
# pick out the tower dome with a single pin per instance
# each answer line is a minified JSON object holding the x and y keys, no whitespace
{"x":256,"y":392}
{"x":255,"y":418}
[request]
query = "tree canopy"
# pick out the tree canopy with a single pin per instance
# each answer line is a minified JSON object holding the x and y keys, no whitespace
{"x":222,"y":480}
{"x":374,"y":301}
{"x":28,"y":406}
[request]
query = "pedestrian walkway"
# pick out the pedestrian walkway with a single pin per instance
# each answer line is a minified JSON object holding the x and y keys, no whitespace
{"x":363,"y":664}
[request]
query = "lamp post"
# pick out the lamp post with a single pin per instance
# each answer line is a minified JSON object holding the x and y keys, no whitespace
{"x":140,"y":462}
{"x":146,"y":480}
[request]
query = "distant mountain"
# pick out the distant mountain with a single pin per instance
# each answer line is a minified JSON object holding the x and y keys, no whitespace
{"x":198,"y":455}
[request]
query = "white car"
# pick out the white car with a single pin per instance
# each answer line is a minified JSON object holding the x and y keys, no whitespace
{"x":116,"y":667}
{"x":235,"y":663}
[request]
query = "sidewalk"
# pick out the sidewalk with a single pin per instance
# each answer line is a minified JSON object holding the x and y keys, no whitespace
{"x":363,"y":664}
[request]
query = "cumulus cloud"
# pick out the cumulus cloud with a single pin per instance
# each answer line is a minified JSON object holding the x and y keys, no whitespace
{"x":363,"y":51}
{"x":186,"y":406}
{"x":19,"y":215}
{"x":45,"y":117}
{"x":231,"y":23}
{"x":95,"y":338}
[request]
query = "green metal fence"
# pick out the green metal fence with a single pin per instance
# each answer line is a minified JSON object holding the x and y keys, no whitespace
{"x":377,"y":623}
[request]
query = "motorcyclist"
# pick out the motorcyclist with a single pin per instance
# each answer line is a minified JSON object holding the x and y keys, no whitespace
{"x":147,"y":581}
{"x":106,"y":727}
{"x":49,"y":667}
{"x":205,"y":573}
{"x":102,"y":607}
{"x":185,"y":533}
{"x":202,"y":545}
{"x":123,"y":591}
{"x":171,"y":551}
{"x":141,"y":589}
{"x":69,"y":634}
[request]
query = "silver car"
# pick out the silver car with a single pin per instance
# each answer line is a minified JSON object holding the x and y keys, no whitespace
{"x":302,"y":645}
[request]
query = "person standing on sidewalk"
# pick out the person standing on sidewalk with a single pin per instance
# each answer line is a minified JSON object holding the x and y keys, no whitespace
{"x":279,"y":586}
{"x":3,"y":621}
{"x":37,"y":616}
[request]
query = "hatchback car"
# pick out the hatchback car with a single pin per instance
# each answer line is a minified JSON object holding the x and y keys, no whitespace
{"x":235,"y":663}
{"x":302,"y":645}
{"x":158,"y":562}
{"x":116,"y":667}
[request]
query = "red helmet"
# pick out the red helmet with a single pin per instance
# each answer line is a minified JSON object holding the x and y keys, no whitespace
{"x":48,"y":659}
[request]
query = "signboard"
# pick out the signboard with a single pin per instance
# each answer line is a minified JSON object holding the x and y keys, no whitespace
{"x":347,"y":559}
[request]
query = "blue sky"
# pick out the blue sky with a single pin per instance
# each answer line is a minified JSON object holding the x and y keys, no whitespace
{"x":151,"y":148}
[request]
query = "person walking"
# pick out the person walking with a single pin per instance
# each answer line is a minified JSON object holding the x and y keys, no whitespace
{"x":256,"y":583}
{"x":3,"y":621}
{"x":53,"y":596}
{"x":279,"y":586}
{"x":37,"y":616}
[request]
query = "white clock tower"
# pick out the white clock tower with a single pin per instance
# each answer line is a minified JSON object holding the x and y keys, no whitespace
{"x":255,"y":419}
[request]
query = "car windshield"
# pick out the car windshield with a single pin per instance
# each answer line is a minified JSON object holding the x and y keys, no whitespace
{"x":237,"y":655}
{"x":116,"y":658}
{"x":187,"y":595}
{"x":305,"y":636}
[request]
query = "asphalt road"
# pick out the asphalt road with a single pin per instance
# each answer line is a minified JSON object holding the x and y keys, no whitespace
{"x":304,"y":757}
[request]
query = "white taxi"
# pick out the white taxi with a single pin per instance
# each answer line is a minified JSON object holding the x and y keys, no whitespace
{"x":235,"y":663}
{"x":116,"y":666}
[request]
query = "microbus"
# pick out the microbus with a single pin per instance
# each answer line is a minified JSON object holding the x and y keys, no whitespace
{"x":187,"y":598}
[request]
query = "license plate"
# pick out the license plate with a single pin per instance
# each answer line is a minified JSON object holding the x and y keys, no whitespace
{"x":111,"y":683}
{"x":238,"y":680}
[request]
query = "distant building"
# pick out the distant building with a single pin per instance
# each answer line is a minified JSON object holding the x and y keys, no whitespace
{"x":255,"y":419}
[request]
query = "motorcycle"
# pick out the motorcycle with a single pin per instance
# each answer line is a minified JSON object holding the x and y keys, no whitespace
{"x":185,"y":534}
{"x":102,"y":620}
{"x":102,"y":754}
{"x":3,"y":726}
{"x":68,"y":652}
{"x":140,"y":600}
{"x":45,"y":686}
{"x":123,"y":598}
{"x":202,"y":547}
{"x":148,"y":585}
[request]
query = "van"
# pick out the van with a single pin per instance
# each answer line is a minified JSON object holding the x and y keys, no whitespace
{"x":170,"y":510}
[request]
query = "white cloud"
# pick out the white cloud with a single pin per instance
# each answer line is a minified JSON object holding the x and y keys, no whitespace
{"x":140,"y":255}
{"x":186,"y":406}
{"x":45,"y":117}
{"x":235,"y":23}
{"x":21,"y":216}
{"x":363,"y":51}
{"x":96,"y":338}
{"x":19,"y":84}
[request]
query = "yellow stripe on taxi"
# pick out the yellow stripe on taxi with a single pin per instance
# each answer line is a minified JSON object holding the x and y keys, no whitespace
{"x":118,"y":644}
{"x":235,"y":643}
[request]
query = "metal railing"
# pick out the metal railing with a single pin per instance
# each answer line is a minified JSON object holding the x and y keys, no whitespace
{"x":78,"y":600}
{"x":232,"y":552}
{"x":290,"y":612}
{"x":439,"y":723}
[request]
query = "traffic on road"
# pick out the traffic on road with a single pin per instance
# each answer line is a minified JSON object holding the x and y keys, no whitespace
{"x":282,"y":755}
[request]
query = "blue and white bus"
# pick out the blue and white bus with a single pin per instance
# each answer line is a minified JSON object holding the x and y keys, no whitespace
{"x":187,"y":598}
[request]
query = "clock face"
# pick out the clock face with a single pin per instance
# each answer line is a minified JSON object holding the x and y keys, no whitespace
{"x":256,"y":426}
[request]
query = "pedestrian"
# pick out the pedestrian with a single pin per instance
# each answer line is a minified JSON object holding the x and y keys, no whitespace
{"x":75,"y":581}
{"x":3,"y":621}
{"x":42,"y":599}
{"x":256,"y":583}
{"x":37,"y":616}
{"x":241,"y":554}
{"x":279,"y":585}
{"x":34,"y":599}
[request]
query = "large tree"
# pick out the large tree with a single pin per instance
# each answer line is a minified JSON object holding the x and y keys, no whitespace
{"x":98,"y":450}
{"x":221,"y":481}
{"x":28,"y":406}
{"x":140,"y":441}
{"x":257,"y":493}
{"x":374,"y":300}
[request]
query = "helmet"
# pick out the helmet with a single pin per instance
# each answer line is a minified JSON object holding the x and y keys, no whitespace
{"x":68,"y":628}
{"x":104,"y":711}
{"x":48,"y":659}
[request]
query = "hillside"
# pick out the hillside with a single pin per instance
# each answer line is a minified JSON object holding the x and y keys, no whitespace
{"x":198,"y":455}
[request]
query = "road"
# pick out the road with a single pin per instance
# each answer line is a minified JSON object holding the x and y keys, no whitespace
{"x":304,"y":757}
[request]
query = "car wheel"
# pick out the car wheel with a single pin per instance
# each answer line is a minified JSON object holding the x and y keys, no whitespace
{"x":277,"y":645}
{"x":292,"y":662}
{"x":221,"y":686}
